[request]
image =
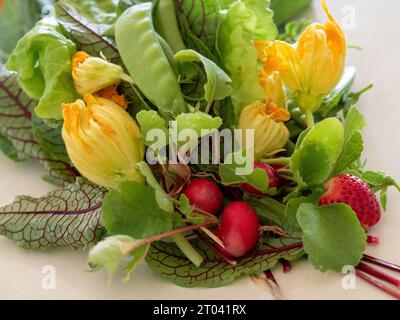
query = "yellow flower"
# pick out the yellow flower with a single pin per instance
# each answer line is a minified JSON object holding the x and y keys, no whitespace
{"x":91,"y":74}
{"x":270,"y":79}
{"x":270,"y":133}
{"x":102,"y":141}
{"x":314,"y":65}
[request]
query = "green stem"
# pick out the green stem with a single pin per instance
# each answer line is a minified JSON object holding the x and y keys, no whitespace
{"x":187,"y":249}
{"x":281,"y":160}
{"x":309,"y":119}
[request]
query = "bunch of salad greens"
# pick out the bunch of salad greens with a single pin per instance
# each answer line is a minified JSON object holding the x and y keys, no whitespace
{"x":85,"y":86}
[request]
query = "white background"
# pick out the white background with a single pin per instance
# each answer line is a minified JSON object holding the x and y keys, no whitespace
{"x":376,"y":31}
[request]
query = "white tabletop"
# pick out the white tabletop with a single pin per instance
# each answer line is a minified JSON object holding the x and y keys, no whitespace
{"x":376,"y":30}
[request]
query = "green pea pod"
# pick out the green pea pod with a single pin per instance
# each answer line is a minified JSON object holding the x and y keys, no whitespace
{"x":143,"y":56}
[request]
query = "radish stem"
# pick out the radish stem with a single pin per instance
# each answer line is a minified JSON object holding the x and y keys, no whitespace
{"x":382,"y":263}
{"x":372,"y":240}
{"x":378,"y":274}
{"x":392,"y":292}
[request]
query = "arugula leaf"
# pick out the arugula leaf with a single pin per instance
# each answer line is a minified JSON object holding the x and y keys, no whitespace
{"x":111,"y":253}
{"x":169,"y":262}
{"x":67,"y":217}
{"x":230,"y":176}
{"x":42,"y":59}
{"x":17,"y":140}
{"x":218,"y":84}
{"x":149,"y":120}
{"x":133,"y":210}
{"x":332,"y":235}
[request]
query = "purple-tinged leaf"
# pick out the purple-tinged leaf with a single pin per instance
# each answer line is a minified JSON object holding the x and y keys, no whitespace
{"x":16,"y":137}
{"x":170,"y":263}
{"x":68,"y":217}
{"x":88,"y":36}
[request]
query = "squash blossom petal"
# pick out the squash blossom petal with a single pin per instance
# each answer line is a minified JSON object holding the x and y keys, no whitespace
{"x":314,"y":65}
{"x":270,"y":79}
{"x":103,"y":141}
{"x":91,"y":74}
{"x":266,"y":119}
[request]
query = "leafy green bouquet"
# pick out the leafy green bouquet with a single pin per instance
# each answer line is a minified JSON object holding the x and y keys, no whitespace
{"x":86,"y":89}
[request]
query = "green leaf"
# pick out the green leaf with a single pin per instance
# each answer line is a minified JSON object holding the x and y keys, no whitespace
{"x":218,"y":84}
{"x":265,"y":27}
{"x":379,"y":181}
{"x":42,"y":59}
{"x":239,"y":56}
{"x":50,"y":139}
{"x":351,"y":152}
{"x":293,"y":30}
{"x":286,"y":10}
{"x":111,"y":253}
{"x":149,"y":120}
{"x":230,"y":173}
{"x":18,"y":141}
{"x":197,"y":121}
{"x":332,"y":236}
{"x":199,"y":22}
{"x":133,"y":210}
{"x":67,"y":217}
{"x":170,"y":263}
{"x":87,"y":29}
{"x":311,"y":164}
{"x":354,"y":122}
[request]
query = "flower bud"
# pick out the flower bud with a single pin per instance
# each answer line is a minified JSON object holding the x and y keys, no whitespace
{"x":270,"y":133}
{"x":103,"y":141}
{"x":92,"y":74}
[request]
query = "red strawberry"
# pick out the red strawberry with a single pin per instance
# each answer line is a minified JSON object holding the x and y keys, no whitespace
{"x":355,"y":192}
{"x":272,"y":175}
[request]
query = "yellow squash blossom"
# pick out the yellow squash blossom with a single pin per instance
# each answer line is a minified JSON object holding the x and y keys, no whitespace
{"x":91,"y":74}
{"x":266,"y":119}
{"x":270,"y":79}
{"x":102,"y":141}
{"x":313,"y":66}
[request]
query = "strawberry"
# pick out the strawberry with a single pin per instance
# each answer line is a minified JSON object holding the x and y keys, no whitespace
{"x":355,"y":192}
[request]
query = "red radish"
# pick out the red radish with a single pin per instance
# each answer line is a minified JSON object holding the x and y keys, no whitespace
{"x":204,"y":195}
{"x":239,"y":229}
{"x":272,"y":175}
{"x":357,"y":194}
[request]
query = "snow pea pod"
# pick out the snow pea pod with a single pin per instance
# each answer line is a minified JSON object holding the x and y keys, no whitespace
{"x":143,"y":56}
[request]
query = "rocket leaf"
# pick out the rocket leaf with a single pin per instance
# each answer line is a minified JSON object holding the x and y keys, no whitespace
{"x":67,"y":217}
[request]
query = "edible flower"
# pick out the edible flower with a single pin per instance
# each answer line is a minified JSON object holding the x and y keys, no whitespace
{"x":313,"y":66}
{"x":266,"y":119}
{"x":102,"y":141}
{"x":91,"y":74}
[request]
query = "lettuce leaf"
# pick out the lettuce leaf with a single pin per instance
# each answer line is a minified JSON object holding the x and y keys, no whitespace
{"x":42,"y":59}
{"x":244,"y":22}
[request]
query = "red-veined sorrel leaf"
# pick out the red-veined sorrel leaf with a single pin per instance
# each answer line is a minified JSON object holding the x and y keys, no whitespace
{"x":88,"y":36}
{"x":17,"y":139}
{"x":68,"y":217}
{"x":170,"y":263}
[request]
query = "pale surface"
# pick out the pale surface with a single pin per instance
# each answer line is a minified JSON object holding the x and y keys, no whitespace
{"x":377,"y":32}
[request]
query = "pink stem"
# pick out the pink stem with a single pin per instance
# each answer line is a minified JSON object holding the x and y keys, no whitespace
{"x":270,"y":276}
{"x":382,"y":263}
{"x":392,"y":292}
{"x":378,"y":274}
{"x":286,"y":266}
{"x":372,"y":240}
{"x":216,"y":249}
